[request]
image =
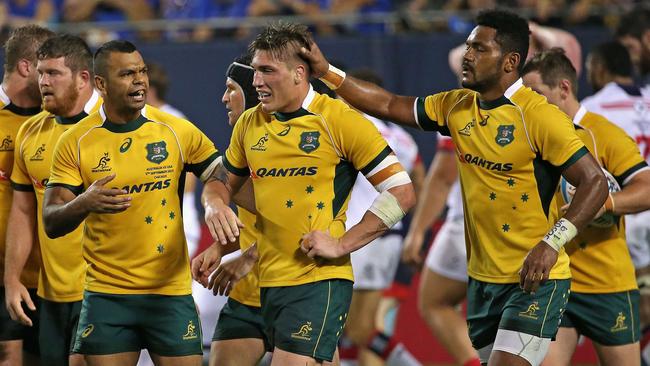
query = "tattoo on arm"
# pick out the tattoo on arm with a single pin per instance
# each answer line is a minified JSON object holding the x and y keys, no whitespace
{"x":220,"y":174}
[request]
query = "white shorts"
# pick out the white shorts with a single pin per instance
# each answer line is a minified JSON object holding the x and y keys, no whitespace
{"x":529,"y":347}
{"x":375,"y":264}
{"x":448,"y":254}
{"x":637,"y":231}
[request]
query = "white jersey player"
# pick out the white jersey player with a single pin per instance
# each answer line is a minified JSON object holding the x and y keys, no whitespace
{"x":628,"y":106}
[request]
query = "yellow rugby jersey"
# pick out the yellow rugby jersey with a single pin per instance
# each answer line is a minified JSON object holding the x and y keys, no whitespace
{"x":247,"y":290}
{"x":600,"y":260}
{"x":63,"y":268}
{"x":511,"y":152}
{"x":11,"y":118}
{"x":141,"y":250}
{"x":303,"y":165}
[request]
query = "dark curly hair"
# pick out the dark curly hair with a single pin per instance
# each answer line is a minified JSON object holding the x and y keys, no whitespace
{"x":513,"y":34}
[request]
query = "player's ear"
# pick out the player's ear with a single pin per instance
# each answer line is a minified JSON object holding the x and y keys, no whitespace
{"x":83,"y":78}
{"x":565,"y":88}
{"x":512,"y":60}
{"x":100,"y":84}
{"x":300,"y":73}
{"x":23,"y":67}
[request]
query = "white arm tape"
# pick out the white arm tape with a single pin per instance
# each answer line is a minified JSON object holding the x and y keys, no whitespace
{"x":387,"y":208}
{"x":208,"y":171}
{"x":388,"y":161}
{"x":561,"y":233}
{"x":397,"y":179}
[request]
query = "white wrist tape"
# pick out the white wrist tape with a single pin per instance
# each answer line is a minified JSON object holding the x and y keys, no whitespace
{"x":333,"y":78}
{"x":561,"y":233}
{"x":387,"y":208}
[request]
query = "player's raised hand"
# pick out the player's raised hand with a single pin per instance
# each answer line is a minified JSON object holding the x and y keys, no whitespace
{"x":317,"y":61}
{"x":205,"y":263}
{"x":222,"y":222}
{"x":412,"y":247}
{"x":321,"y":244}
{"x":537,"y":267}
{"x":15,"y":294}
{"x":99,"y":199}
{"x":233,"y":270}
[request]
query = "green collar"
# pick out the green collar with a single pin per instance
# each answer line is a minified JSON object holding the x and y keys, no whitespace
{"x":285,"y":117}
{"x":125,"y":127}
{"x":71,"y":120}
{"x":502,"y":100}
{"x":23,"y":111}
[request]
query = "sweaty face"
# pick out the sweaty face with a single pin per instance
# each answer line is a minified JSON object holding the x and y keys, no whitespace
{"x":126,"y":84}
{"x":58,"y":86}
{"x":534,"y":81}
{"x":276,"y":83}
{"x":233,"y":99}
{"x":482,"y":61}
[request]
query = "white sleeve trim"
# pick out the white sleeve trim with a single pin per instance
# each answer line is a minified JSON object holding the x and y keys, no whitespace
{"x":628,"y":179}
{"x":388,"y":161}
{"x":415,"y":112}
{"x":208,"y":171}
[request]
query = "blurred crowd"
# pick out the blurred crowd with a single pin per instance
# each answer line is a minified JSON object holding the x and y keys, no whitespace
{"x":202,"y":20}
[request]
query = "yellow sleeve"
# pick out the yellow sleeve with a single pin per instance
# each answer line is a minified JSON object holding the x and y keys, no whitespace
{"x":553,"y":136}
{"x":431,"y":111}
{"x":619,"y":152}
{"x":360,"y":141}
{"x":20,"y":180}
{"x":199,"y":150}
{"x":65,"y":165}
{"x":235,"y":157}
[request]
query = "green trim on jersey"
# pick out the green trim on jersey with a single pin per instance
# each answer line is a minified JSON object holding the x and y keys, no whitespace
{"x":620,"y":179}
{"x":74,"y":189}
{"x":199,"y":168}
{"x":284,"y":117}
{"x":378,"y":159}
{"x":242,"y":172}
{"x":423,"y":119}
{"x":344,"y":177}
{"x":70,"y":120}
{"x":547,"y":177}
{"x":491,"y":104}
{"x":575,"y":157}
{"x":22,"y":187}
{"x":25,"y":112}
{"x":125,"y":127}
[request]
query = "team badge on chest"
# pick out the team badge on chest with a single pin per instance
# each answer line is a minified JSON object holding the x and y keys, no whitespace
{"x":157,"y":152}
{"x":309,"y":141}
{"x":505,"y":134}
